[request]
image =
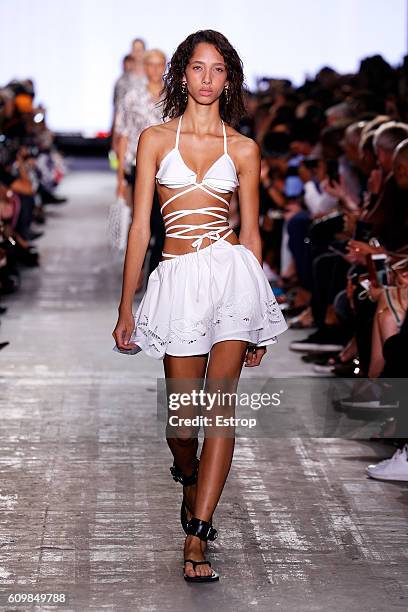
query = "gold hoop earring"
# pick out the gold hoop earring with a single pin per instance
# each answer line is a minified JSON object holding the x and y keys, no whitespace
{"x":227,"y":94}
{"x":184,"y":91}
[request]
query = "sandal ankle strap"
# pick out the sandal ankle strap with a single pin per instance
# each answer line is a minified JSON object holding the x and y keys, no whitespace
{"x":185,"y":480}
{"x":201,"y":529}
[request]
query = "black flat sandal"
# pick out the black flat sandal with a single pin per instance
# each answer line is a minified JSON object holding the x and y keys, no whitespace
{"x":204,"y":531}
{"x":186,"y":481}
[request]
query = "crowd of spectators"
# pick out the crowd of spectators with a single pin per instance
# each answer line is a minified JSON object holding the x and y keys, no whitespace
{"x":334,"y":224}
{"x":30,"y":170}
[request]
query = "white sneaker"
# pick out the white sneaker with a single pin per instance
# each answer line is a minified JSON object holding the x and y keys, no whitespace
{"x":379,"y":405}
{"x":395,"y":468}
{"x":323,"y":369}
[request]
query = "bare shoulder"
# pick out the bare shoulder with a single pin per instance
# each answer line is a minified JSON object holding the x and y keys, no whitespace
{"x":161,"y":130}
{"x":244,"y":151}
{"x":242,"y":148}
{"x":158,"y":136}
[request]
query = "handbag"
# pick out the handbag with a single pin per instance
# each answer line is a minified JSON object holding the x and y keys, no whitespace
{"x":119,"y":218}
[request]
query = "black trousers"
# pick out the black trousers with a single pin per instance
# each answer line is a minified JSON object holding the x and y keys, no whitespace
{"x":364,"y":323}
{"x":298,"y":229}
{"x":25,"y":216}
{"x":329,"y":278}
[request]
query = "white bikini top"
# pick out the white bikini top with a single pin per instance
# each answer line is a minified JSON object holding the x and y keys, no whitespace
{"x":221,"y":177}
{"x":174,"y":172}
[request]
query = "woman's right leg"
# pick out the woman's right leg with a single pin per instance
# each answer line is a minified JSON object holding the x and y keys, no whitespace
{"x":184,"y":375}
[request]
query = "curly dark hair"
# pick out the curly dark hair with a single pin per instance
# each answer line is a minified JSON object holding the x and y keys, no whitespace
{"x":174,"y":103}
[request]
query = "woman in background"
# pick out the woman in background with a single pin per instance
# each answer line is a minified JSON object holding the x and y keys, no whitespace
{"x":140,"y":108}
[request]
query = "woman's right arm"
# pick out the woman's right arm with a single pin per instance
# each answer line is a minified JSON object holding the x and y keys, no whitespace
{"x":122,"y":143}
{"x":139,"y":233}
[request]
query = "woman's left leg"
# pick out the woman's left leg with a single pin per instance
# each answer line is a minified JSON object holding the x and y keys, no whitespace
{"x":223,"y":372}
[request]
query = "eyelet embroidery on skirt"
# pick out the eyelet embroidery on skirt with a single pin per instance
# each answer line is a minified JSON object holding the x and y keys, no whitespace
{"x":273,"y":313}
{"x":152,"y":336}
{"x":189,"y":331}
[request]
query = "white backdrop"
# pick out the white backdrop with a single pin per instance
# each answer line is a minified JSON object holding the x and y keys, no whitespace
{"x":73,"y":48}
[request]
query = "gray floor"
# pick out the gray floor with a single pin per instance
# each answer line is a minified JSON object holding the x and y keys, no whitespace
{"x":88,"y":507}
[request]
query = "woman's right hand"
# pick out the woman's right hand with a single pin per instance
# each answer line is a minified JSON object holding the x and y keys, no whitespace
{"x":123,"y":330}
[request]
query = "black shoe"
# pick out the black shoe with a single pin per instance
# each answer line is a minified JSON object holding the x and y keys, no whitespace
{"x":3,"y":345}
{"x":204,"y":531}
{"x":53,"y":199}
{"x":186,"y":481}
{"x":318,"y":358}
{"x":28,"y":257}
{"x":39,"y":215}
{"x":10,"y":283}
{"x":295,"y":311}
{"x":3,"y":310}
{"x":35,"y":235}
{"x":56,"y":200}
{"x":47,"y":197}
{"x":325,"y":340}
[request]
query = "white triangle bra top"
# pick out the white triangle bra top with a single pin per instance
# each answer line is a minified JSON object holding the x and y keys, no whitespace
{"x":174,"y":172}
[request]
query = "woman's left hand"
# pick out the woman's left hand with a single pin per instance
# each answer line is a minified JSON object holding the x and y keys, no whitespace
{"x":254,"y":356}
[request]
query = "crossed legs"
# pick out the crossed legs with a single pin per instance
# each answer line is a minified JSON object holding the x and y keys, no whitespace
{"x":183,"y":374}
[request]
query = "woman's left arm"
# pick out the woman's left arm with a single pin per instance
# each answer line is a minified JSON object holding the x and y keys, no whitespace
{"x":249,"y":171}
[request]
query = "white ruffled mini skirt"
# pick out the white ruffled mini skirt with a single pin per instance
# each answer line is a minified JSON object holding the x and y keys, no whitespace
{"x":192,"y":301}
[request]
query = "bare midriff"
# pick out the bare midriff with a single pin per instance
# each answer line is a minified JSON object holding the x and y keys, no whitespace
{"x":192,"y":201}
